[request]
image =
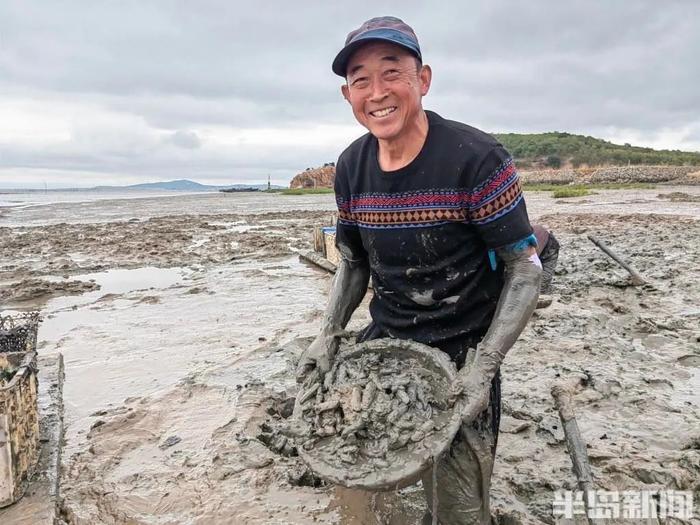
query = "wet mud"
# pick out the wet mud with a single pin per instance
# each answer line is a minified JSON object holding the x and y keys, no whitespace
{"x":679,"y":196}
{"x":40,"y":290}
{"x":29,"y":253}
{"x":175,"y":381}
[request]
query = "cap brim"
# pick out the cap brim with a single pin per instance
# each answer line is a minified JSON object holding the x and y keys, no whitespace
{"x":340,"y":63}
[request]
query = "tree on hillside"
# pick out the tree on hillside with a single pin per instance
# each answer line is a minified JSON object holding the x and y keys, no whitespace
{"x":554,"y":161}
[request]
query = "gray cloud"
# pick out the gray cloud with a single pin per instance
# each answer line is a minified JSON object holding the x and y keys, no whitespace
{"x":144,"y":83}
{"x":185,"y":139}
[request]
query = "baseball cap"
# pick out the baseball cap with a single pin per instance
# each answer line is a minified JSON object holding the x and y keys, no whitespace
{"x":386,"y":28}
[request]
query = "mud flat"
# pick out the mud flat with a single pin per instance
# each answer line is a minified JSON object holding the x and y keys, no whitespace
{"x":177,"y":363}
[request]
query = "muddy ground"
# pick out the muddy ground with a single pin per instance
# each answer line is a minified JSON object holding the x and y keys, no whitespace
{"x":182,"y":330}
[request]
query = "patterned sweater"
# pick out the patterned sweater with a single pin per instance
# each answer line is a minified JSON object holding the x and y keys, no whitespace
{"x":426,"y":230}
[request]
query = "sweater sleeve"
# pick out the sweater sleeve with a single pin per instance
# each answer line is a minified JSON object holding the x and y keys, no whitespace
{"x":496,"y":203}
{"x":347,"y":236}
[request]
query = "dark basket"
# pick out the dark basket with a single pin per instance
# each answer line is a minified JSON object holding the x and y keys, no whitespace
{"x":18,"y":333}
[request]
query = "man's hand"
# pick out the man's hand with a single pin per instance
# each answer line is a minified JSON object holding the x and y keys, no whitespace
{"x":348,"y":288}
{"x":318,"y":356}
{"x":475,"y":385}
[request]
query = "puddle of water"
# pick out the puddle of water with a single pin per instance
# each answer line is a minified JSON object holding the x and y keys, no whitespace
{"x":116,"y":281}
{"x":125,"y":346}
{"x":78,"y":326}
{"x":236,"y":227}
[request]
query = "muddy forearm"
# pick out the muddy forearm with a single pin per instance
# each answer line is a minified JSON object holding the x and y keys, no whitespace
{"x":348,"y":289}
{"x":515,"y":306}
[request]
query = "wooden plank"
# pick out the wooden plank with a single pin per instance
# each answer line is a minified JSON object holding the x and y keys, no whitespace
{"x":319,"y":240}
{"x":318,"y":260}
{"x":332,"y":253}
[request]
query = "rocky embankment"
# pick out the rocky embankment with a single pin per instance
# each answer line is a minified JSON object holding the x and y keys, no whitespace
{"x":314,"y":178}
{"x":615,"y":174}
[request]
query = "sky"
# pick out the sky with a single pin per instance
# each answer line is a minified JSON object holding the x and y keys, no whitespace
{"x":221,"y":92}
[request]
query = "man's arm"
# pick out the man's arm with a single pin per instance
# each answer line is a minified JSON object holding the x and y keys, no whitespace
{"x":348,"y":288}
{"x":515,"y":306}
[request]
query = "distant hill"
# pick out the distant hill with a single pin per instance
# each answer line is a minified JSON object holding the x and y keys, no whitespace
{"x":556,"y":149}
{"x":185,"y":185}
{"x":177,"y":185}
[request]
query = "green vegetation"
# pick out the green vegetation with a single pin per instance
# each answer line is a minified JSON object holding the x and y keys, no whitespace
{"x":596,"y":186}
{"x":6,"y":375}
{"x":570,"y":192}
{"x":306,"y":191}
{"x":554,"y":149}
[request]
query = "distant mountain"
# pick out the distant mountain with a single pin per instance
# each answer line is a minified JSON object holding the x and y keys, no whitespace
{"x":184,"y":185}
{"x":177,"y":185}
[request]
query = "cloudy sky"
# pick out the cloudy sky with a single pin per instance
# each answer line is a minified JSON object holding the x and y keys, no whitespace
{"x":118,"y":92}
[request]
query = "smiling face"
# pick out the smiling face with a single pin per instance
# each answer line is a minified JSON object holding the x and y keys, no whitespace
{"x":385,"y":87}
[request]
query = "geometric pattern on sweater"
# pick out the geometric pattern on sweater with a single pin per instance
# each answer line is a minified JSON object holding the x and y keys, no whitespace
{"x":494,"y":198}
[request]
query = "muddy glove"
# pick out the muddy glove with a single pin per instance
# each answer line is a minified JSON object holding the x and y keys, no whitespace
{"x":515,"y":305}
{"x":318,"y":357}
{"x":348,"y":289}
{"x":474,"y":384}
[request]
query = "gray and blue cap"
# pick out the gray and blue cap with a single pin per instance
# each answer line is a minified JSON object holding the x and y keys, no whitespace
{"x":384,"y":28}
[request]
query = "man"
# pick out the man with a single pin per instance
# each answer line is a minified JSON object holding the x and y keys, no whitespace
{"x":422,"y":200}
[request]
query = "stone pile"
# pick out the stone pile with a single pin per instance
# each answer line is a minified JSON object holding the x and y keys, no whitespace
{"x":612,"y":174}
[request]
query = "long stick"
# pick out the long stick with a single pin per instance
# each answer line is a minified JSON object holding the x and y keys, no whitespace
{"x":318,"y":260}
{"x":574,"y":442}
{"x":637,"y":280}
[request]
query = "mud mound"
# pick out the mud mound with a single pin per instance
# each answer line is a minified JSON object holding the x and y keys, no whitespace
{"x":679,"y":196}
{"x":42,"y":290}
{"x":28,"y":253}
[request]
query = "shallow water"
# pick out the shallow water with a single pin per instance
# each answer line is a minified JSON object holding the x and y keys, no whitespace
{"x":107,"y":208}
{"x":28,"y":198}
